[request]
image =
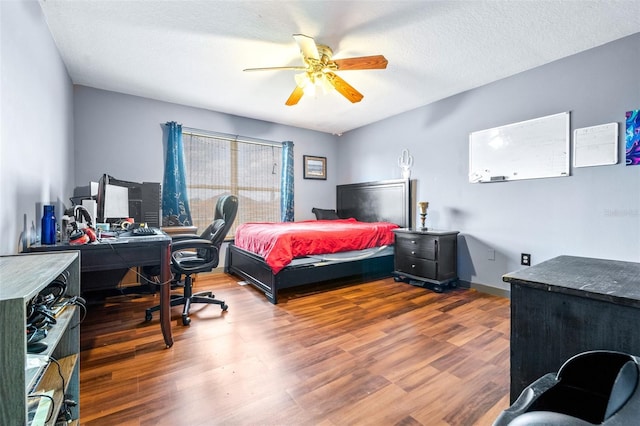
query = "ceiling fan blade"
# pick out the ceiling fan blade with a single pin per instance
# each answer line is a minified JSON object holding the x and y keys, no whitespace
{"x":276,"y":69}
{"x":295,"y":96}
{"x":344,"y":88}
{"x":376,"y":62}
{"x":307,"y":46}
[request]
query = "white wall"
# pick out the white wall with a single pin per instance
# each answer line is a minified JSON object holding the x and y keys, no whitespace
{"x":595,"y":212}
{"x":36,"y":119}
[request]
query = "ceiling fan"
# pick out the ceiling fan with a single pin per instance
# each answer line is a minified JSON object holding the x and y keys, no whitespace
{"x":319,"y":70}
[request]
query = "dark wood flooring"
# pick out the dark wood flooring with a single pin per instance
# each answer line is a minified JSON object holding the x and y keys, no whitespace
{"x":376,"y":353}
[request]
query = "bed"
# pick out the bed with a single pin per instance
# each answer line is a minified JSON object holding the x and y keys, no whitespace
{"x":381,"y":201}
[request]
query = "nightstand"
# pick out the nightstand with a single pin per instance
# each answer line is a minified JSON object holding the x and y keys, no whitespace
{"x":427,"y":258}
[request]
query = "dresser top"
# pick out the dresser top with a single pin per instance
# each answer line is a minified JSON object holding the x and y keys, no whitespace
{"x":428,"y":231}
{"x":610,"y":280}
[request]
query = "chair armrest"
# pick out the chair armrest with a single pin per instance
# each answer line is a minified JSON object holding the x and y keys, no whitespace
{"x":180,"y":237}
{"x":528,"y":396}
{"x":190,"y":264}
{"x":192,"y":243}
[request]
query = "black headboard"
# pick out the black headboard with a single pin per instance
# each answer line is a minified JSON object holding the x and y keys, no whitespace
{"x":382,"y":201}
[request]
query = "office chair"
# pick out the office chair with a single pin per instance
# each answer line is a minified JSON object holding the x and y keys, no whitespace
{"x":191,"y":254}
{"x":592,"y":388}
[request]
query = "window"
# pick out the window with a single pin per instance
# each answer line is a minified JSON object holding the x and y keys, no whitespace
{"x":219,"y":165}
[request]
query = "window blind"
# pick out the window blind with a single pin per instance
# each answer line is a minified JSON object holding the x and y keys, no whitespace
{"x":218,"y":165}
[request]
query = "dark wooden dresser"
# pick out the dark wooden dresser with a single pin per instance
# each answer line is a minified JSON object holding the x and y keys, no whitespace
{"x":426,"y":257}
{"x":568,"y":305}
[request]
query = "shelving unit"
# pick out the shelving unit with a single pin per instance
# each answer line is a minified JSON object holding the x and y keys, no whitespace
{"x":22,"y":277}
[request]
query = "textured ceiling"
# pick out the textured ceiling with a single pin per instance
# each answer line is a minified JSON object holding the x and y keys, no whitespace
{"x":193,"y":52}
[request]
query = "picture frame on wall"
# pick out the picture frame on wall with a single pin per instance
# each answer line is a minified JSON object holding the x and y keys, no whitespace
{"x":315,"y":167}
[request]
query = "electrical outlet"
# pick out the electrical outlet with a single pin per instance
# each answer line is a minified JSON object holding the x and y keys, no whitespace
{"x":525,"y":259}
{"x":491,"y":254}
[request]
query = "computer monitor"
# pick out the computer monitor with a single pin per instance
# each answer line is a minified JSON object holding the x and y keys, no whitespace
{"x":119,"y":199}
{"x":116,"y":202}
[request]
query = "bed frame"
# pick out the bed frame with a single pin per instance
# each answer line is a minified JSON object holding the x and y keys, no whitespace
{"x":387,"y":201}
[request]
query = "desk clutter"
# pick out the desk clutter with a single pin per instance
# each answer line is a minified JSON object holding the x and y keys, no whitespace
{"x":44,"y":309}
{"x":136,"y":230}
{"x":78,"y":227}
{"x":108,"y":206}
{"x":88,"y":234}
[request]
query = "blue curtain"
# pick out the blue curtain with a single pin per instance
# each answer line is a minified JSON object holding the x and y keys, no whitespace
{"x":175,"y":204}
{"x":286,"y":183}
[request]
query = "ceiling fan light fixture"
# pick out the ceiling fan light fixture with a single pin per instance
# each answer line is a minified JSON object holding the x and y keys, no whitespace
{"x":319,"y":71}
{"x":305,"y":82}
{"x":313,"y":83}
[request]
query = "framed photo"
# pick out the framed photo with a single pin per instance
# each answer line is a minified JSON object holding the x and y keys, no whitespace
{"x":315,"y":167}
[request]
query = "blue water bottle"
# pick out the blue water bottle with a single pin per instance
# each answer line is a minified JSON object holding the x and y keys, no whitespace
{"x":48,"y":235}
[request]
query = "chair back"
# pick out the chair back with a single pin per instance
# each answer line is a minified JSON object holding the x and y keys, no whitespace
{"x":224,"y":216}
{"x":226,"y":209}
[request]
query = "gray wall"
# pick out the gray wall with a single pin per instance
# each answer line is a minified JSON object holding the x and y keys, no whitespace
{"x":123,"y":136}
{"x":595,"y":212}
{"x":36,"y":120}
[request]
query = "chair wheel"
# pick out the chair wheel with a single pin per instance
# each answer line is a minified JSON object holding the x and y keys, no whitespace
{"x":186,"y":320}
{"x":148,"y":316}
{"x":224,"y":306}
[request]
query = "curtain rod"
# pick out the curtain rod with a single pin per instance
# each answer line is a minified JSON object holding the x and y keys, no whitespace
{"x":228,"y":137}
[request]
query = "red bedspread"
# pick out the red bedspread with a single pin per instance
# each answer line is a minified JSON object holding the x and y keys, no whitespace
{"x":280,"y":243}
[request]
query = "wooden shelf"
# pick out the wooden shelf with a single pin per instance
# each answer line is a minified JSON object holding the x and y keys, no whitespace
{"x":24,"y":276}
{"x":52,"y":380}
{"x":54,"y":335}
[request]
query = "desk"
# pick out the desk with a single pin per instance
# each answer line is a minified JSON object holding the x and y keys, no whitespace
{"x":568,"y":305}
{"x":127,"y":252}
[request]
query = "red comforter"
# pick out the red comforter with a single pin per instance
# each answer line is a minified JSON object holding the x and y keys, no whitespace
{"x":280,"y":243}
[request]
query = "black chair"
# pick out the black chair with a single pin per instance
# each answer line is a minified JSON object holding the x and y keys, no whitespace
{"x":591,"y":388}
{"x":191,"y":254}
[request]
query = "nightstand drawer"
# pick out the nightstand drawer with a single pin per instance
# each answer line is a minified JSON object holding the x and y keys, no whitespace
{"x":418,"y":267}
{"x":421,"y":246}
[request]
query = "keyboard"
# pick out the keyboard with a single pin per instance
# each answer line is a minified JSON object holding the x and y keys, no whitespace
{"x":142,"y":231}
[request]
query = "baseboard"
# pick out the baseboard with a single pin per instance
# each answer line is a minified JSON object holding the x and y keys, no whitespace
{"x":464,"y":284}
{"x":494,"y":291}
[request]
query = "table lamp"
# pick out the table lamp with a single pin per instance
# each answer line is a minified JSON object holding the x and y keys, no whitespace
{"x":423,"y":213}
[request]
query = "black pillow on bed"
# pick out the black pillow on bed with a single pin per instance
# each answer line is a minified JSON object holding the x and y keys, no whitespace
{"x":324,"y":214}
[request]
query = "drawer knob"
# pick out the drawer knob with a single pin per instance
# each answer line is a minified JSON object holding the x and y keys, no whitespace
{"x":413,"y":241}
{"x":413,"y":252}
{"x":413,"y":266}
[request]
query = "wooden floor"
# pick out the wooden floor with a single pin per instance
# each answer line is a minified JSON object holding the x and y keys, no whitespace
{"x":377,"y":353}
